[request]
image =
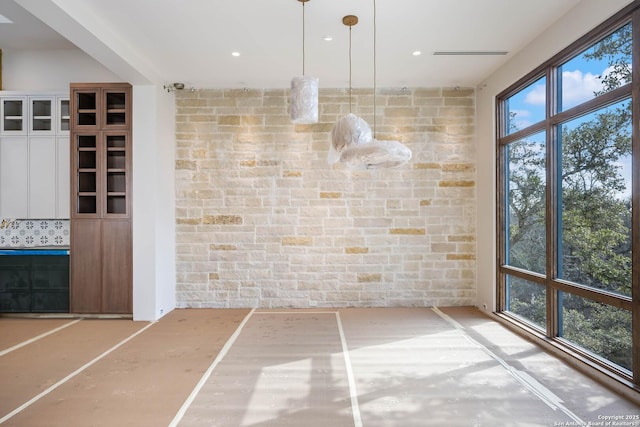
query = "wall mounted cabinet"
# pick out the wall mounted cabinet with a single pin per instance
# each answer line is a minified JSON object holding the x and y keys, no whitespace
{"x":14,"y":115}
{"x":34,"y":143}
{"x":101,"y":233}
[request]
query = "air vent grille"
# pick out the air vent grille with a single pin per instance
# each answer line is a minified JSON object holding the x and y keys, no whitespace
{"x":470,"y":52}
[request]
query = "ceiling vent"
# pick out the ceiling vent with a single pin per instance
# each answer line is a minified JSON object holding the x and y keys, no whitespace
{"x":470,"y":52}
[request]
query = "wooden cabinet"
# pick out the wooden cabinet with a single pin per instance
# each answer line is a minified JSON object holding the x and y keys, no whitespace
{"x":34,"y":153}
{"x":101,"y":233}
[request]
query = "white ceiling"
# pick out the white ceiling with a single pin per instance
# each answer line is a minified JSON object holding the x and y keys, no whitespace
{"x":191,"y":41}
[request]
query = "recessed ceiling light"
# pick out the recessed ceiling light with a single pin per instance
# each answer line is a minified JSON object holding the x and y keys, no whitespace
{"x":416,"y":53}
{"x":235,"y":53}
{"x":5,"y":20}
{"x":327,"y":38}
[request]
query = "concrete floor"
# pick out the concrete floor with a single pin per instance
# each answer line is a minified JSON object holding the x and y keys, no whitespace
{"x":340,"y":367}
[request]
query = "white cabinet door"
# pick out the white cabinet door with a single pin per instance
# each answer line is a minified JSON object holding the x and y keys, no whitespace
{"x":13,"y":113}
{"x":34,"y":155}
{"x":14,"y":176}
{"x":42,"y":118}
{"x":42,"y":177}
{"x":64,"y":178}
{"x":62,"y":115}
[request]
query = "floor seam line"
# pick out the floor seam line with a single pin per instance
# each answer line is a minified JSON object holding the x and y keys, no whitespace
{"x":34,"y":339}
{"x":353,"y":393}
{"x":537,"y":389}
{"x":205,"y":377}
{"x":71,"y":375}
{"x":295,"y":312}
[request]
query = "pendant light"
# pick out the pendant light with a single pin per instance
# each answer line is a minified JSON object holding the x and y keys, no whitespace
{"x":304,"y":90}
{"x":352,"y":143}
{"x":349,"y":130}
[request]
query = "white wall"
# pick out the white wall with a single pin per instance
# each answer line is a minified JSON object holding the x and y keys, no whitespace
{"x":50,"y":70}
{"x":576,"y":23}
{"x":154,"y":264}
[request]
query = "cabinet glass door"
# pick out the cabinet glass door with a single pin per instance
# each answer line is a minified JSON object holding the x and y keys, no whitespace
{"x":116,"y":174}
{"x":86,"y":108}
{"x":115,"y":103}
{"x":87,"y":174}
{"x":63,"y":115}
{"x":13,"y":116}
{"x":41,"y":115}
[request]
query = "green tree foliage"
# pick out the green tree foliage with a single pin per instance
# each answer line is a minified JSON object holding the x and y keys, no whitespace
{"x":599,"y":328}
{"x":596,"y":238}
{"x":527,"y":242}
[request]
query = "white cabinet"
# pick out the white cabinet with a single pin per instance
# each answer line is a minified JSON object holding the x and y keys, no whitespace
{"x":13,"y":110}
{"x":14,"y":179}
{"x":41,"y":115}
{"x":34,"y":156}
{"x":63,"y":177}
{"x":62,"y":115}
{"x":42,"y":177}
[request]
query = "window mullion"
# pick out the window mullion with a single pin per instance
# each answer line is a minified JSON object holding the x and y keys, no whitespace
{"x":552,"y":208}
{"x":635,"y":200}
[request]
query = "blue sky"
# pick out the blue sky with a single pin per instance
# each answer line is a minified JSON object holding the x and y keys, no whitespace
{"x":581,"y":78}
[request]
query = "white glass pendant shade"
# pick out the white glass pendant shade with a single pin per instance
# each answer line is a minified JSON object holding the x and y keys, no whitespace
{"x":304,"y":100}
{"x":375,"y":155}
{"x":348,"y":131}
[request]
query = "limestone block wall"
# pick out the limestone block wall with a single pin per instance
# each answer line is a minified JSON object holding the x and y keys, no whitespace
{"x":264,"y":221}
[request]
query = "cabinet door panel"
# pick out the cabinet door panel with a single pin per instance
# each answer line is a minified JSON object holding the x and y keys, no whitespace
{"x":86,"y":266}
{"x":42,"y":177}
{"x":63,"y":181}
{"x":13,"y":111}
{"x":42,"y":119}
{"x":63,"y":117}
{"x":117,"y":273}
{"x":14,"y":177}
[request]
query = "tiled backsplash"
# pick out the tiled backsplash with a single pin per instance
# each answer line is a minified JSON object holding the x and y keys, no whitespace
{"x":32,"y":233}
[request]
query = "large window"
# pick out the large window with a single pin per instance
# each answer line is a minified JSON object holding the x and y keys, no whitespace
{"x":568,"y":238}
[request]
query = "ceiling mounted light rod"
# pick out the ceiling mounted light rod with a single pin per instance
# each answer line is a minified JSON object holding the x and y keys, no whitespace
{"x":352,"y":143}
{"x":304,"y":90}
{"x":374,"y":69}
{"x":350,"y":21}
{"x":303,"y":35}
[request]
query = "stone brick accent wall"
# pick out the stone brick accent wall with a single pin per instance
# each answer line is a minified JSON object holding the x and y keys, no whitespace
{"x":264,"y":221}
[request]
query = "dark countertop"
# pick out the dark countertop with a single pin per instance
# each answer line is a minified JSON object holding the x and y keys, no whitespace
{"x":39,"y":250}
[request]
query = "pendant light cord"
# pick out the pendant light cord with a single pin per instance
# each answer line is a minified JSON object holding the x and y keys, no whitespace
{"x":374,"y":69}
{"x":303,"y":58}
{"x":350,"y":70}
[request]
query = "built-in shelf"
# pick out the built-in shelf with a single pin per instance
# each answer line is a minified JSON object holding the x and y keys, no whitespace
{"x":101,"y":235}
